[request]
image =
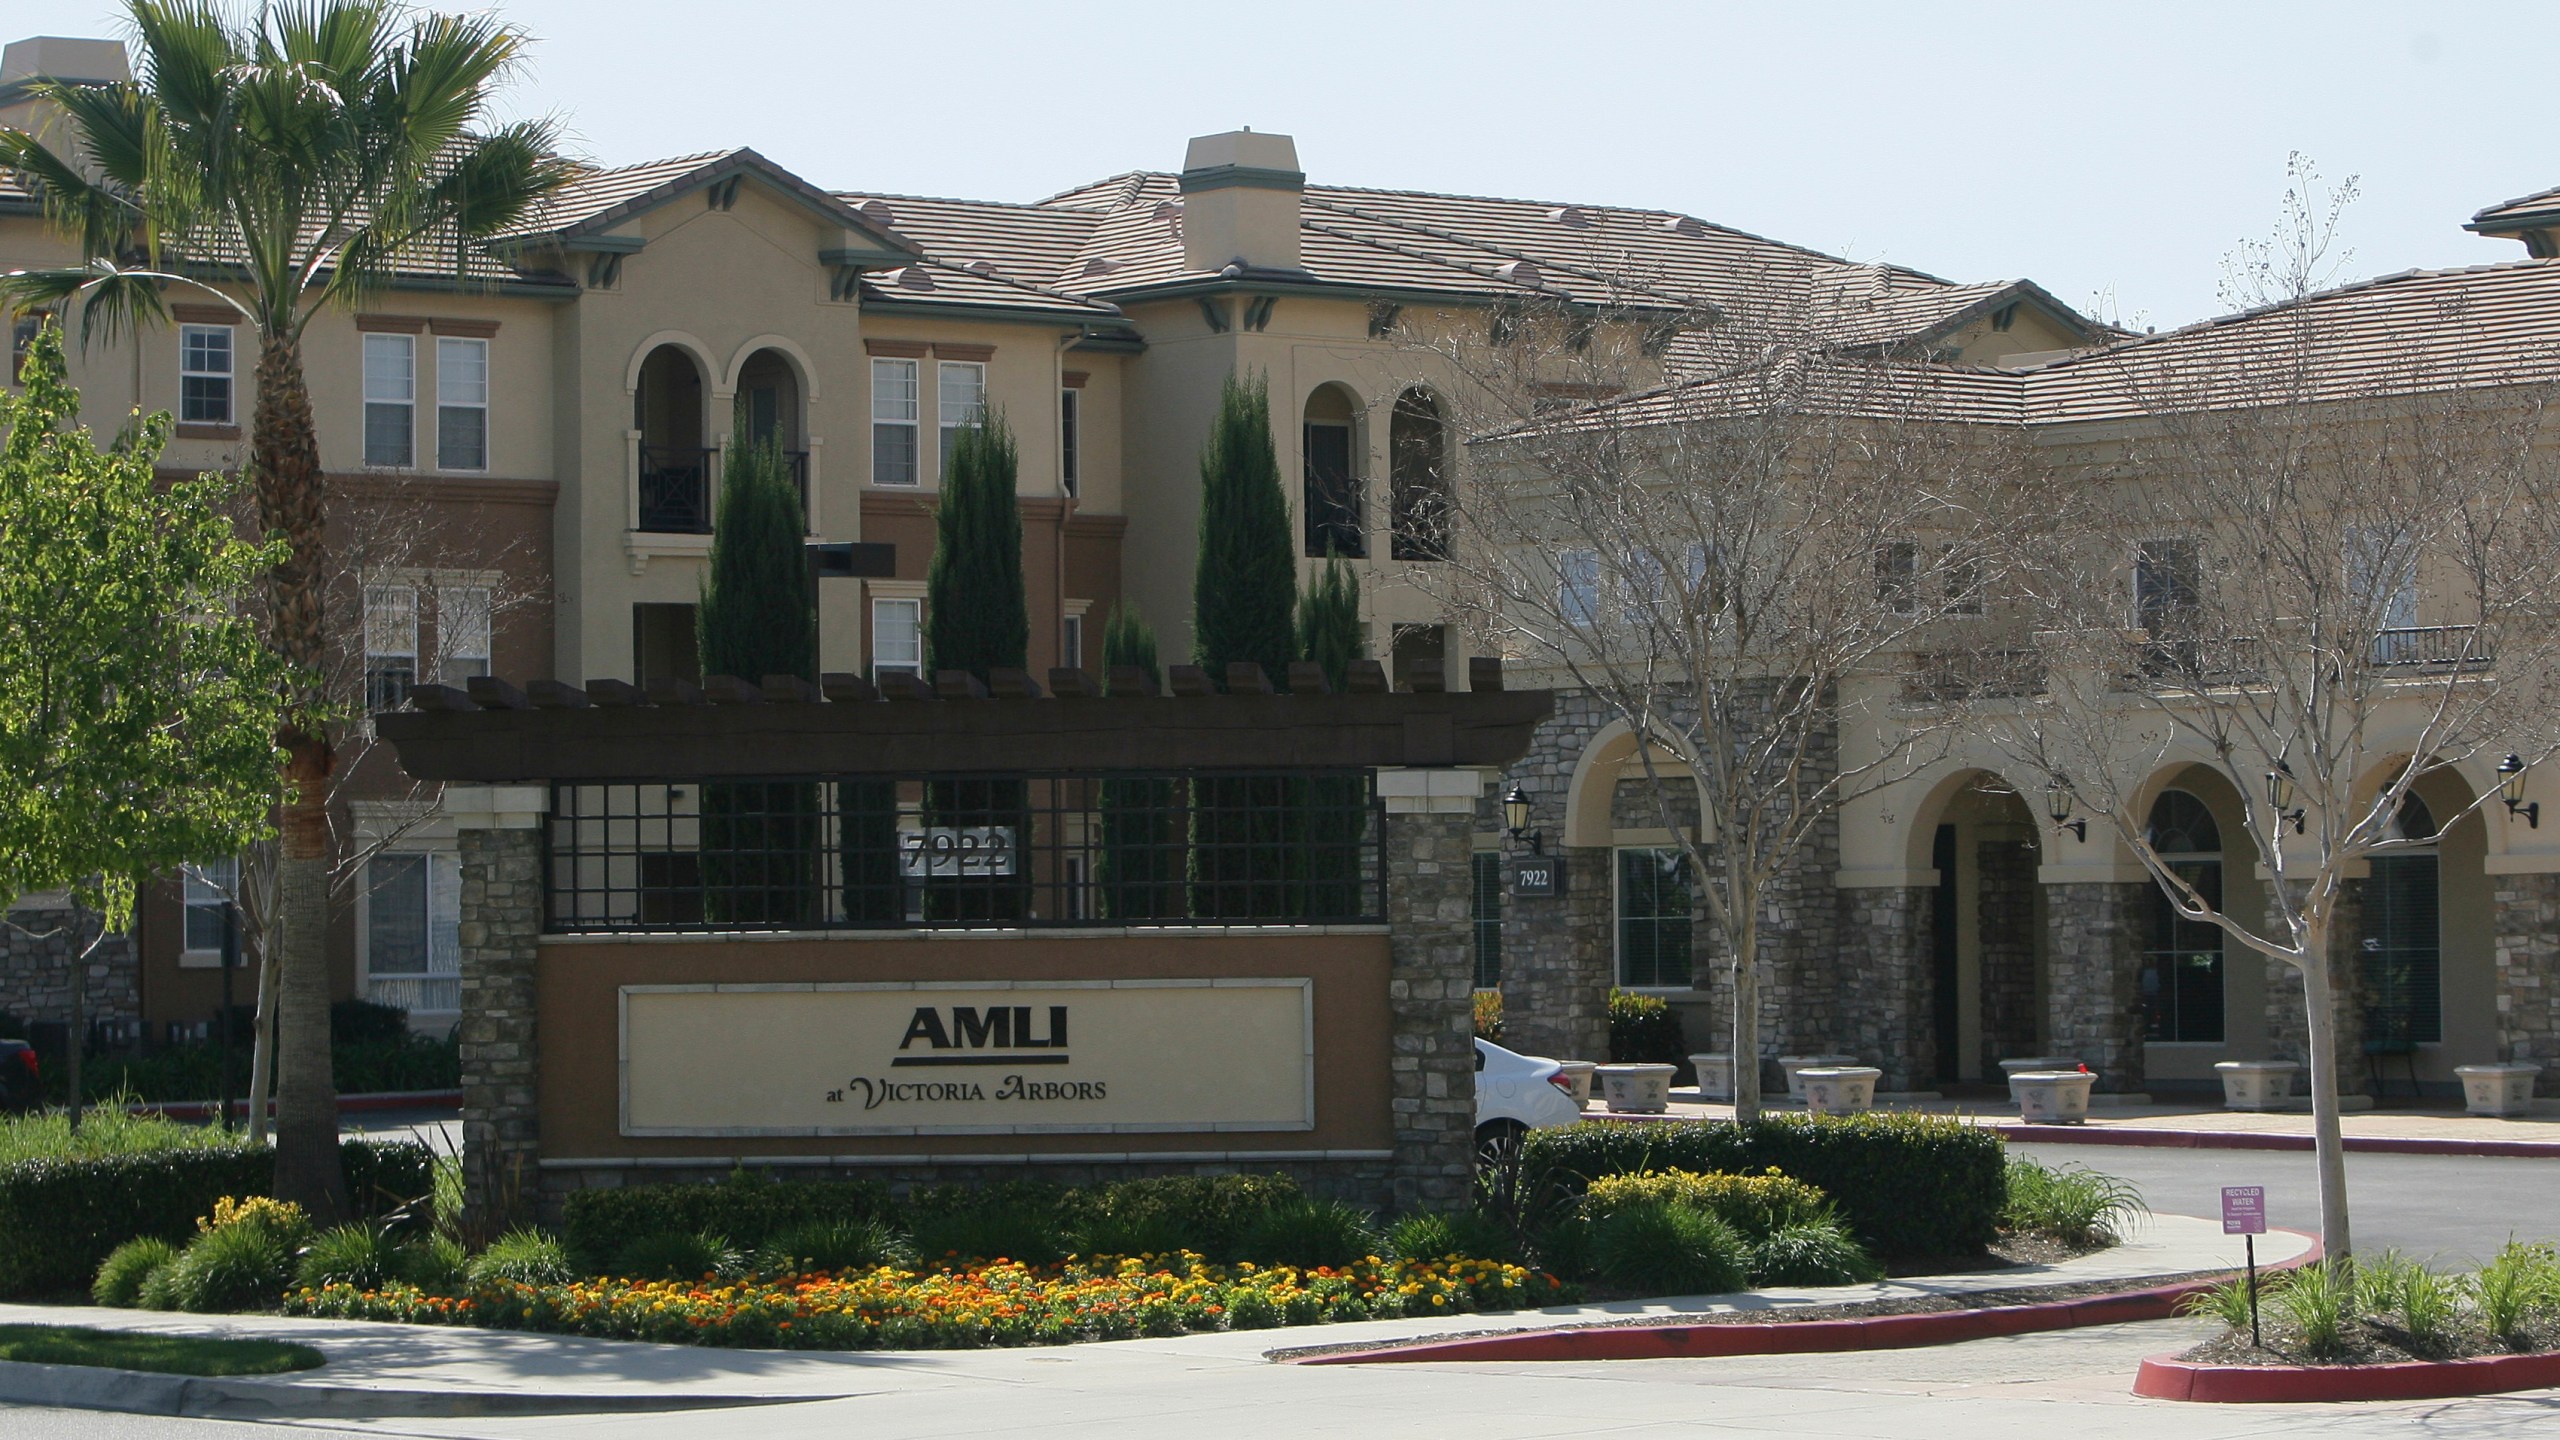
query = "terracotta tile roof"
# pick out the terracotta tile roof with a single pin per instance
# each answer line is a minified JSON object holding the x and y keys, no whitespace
{"x":597,"y":190}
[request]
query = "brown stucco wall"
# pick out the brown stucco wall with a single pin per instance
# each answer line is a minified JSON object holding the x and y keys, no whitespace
{"x":576,"y":983}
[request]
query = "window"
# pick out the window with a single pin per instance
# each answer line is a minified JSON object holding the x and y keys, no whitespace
{"x":204,"y":374}
{"x":1643,"y":591}
{"x":1071,"y":642}
{"x":663,"y":646}
{"x":208,"y":889}
{"x":1578,"y":587}
{"x":462,"y":633}
{"x":2182,"y":958}
{"x":412,"y":931}
{"x":2403,"y":940}
{"x":1070,"y":403}
{"x":2167,"y":585}
{"x":960,"y":387}
{"x":897,"y":637}
{"x":1964,"y":584}
{"x":1418,"y":463}
{"x":1897,"y":576}
{"x":1487,"y":913}
{"x":22,"y":339}
{"x":390,"y":399}
{"x":390,"y":645}
{"x":462,"y":404}
{"x":893,"y":422}
{"x":1653,"y":918}
{"x":1333,"y":493}
{"x":1419,"y":650}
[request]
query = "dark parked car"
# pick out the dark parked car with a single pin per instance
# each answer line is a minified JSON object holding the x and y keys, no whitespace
{"x":21,"y":1087}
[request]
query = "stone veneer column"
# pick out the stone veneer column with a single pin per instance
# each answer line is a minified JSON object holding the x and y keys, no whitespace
{"x":2093,"y":970}
{"x":1430,"y":842}
{"x":500,"y":830}
{"x":1888,"y":992}
{"x":2528,"y":920}
{"x":1555,"y":962}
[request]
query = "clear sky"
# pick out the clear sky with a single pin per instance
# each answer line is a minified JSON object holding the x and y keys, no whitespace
{"x":2102,"y":150}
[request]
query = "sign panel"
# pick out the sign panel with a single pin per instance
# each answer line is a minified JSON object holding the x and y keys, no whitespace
{"x":962,"y":1058}
{"x":2244,"y":1209}
{"x":1537,"y":875}
{"x":944,"y":852}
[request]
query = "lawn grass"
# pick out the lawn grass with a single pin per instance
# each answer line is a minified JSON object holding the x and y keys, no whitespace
{"x":105,"y":1129}
{"x":166,"y":1354}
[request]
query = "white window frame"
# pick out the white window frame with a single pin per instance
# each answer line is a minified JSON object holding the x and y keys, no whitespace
{"x":1578,"y":597}
{"x":1071,"y":642}
{"x":442,"y":919}
{"x":1070,"y":440}
{"x":463,"y":626}
{"x":204,"y":885}
{"x":390,"y":608}
{"x":958,"y":414}
{"x":387,"y":391}
{"x":451,"y":401}
{"x":1617,"y":927}
{"x":893,"y":411}
{"x":189,"y":370}
{"x":912,"y":606}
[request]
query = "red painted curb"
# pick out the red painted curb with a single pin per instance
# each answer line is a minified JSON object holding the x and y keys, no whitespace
{"x":2166,"y":1378}
{"x":2245,"y":1140}
{"x":347,"y":1104}
{"x":1875,"y":1332}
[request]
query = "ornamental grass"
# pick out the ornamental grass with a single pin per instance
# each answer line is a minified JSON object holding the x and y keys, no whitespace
{"x":961,"y":1306}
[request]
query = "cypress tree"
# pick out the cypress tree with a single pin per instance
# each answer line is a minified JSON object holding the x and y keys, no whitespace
{"x":758,"y":616}
{"x":1329,"y":631}
{"x":1335,"y":815}
{"x":977,"y":619}
{"x":1246,"y":582}
{"x":1139,"y":873}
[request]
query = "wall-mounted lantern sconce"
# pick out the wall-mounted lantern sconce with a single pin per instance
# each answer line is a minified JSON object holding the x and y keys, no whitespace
{"x":1515,"y":819}
{"x":2057,"y":803}
{"x":2511,"y":790}
{"x":2280,"y":795}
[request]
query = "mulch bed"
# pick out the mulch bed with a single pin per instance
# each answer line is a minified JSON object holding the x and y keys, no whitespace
{"x":2365,"y":1342}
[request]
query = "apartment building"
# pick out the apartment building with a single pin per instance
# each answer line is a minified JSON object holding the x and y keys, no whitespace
{"x":525,"y":442}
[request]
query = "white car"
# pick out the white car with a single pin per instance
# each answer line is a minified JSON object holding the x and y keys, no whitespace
{"x":1516,"y":1094}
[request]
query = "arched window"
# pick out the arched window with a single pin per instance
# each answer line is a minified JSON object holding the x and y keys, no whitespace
{"x":2182,"y":958}
{"x":2403,"y":939}
{"x":1417,"y":451}
{"x":675,"y":465}
{"x":1332,"y":476}
{"x":769,"y":412}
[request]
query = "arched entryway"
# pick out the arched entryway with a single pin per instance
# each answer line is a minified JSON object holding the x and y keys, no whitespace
{"x":1986,"y":936}
{"x":675,"y":462}
{"x":2426,"y":944}
{"x":1330,"y":495}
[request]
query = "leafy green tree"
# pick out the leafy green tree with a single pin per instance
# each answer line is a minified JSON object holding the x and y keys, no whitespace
{"x":280,"y":160}
{"x":977,"y":619}
{"x":138,"y":709}
{"x":758,"y":616}
{"x":1139,"y":873}
{"x":1242,"y":598}
{"x":1333,"y":815}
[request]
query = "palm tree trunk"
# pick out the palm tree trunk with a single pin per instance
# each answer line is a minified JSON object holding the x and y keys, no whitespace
{"x":292,"y":496}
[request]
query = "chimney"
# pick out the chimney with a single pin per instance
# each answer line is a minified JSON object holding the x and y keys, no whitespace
{"x":53,"y":57}
{"x":1240,"y":194}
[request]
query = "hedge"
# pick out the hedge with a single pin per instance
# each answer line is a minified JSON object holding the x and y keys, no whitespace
{"x":748,"y":1210}
{"x":59,"y":1218}
{"x":1908,"y":1185}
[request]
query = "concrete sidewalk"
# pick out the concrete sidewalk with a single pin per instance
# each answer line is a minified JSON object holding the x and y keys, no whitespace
{"x":382,"y":1370}
{"x":2433,"y":1131}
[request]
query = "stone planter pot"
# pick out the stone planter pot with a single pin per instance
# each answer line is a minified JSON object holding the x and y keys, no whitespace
{"x":2010,"y":1070}
{"x":2256,"y":1084}
{"x":1715,"y":1076}
{"x":1637,"y":1089}
{"x":1577,"y":1073}
{"x":1794,"y":1065}
{"x":1839,"y":1089}
{"x":2497,"y":1089}
{"x":2053,"y":1097}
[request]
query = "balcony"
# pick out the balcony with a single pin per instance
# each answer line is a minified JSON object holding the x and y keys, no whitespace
{"x":2456,"y":647}
{"x":675,"y":489}
{"x":1949,"y":676}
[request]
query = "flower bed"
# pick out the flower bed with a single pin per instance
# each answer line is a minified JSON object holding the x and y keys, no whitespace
{"x":964,"y":1306}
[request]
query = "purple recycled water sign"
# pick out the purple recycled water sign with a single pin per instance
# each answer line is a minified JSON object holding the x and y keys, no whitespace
{"x":2244,"y":1209}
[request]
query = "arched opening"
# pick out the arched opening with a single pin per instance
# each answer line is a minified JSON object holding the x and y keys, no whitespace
{"x":2403,"y":951}
{"x":770,"y":412}
{"x":675,"y":464}
{"x":1986,"y":938}
{"x":2182,"y":971}
{"x":1332,"y":481}
{"x":1418,"y":462}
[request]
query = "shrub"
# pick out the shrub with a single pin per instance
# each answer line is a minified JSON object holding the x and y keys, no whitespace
{"x":1645,"y":1030}
{"x":2519,"y":1281}
{"x":750,"y":1210}
{"x":1661,"y":1248}
{"x":1756,"y":1205}
{"x":2227,"y":1302}
{"x":366,"y":1022}
{"x":1819,"y":1251}
{"x":675,"y":1255}
{"x":438,"y":1263}
{"x":360,"y":1255}
{"x":2070,"y":1203}
{"x":122,"y":1274}
{"x":159,"y":1288}
{"x":1018,"y":1221}
{"x":1488,"y":1007}
{"x":106,"y":1128}
{"x":2318,"y":1299}
{"x":1907,"y":1185}
{"x":231,"y":1268}
{"x":280,"y":1218}
{"x":1205,"y":1214}
{"x":1438,"y":1236}
{"x":834,"y":1246}
{"x":1310,"y":1232}
{"x":523,"y":1257}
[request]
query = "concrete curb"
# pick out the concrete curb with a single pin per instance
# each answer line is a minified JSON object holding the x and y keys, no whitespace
{"x":2165,"y":1377}
{"x":139,"y":1392}
{"x":2256,"y":1140}
{"x":1874,"y":1332}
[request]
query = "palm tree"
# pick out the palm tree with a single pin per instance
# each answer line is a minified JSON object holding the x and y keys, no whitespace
{"x":282,"y":161}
